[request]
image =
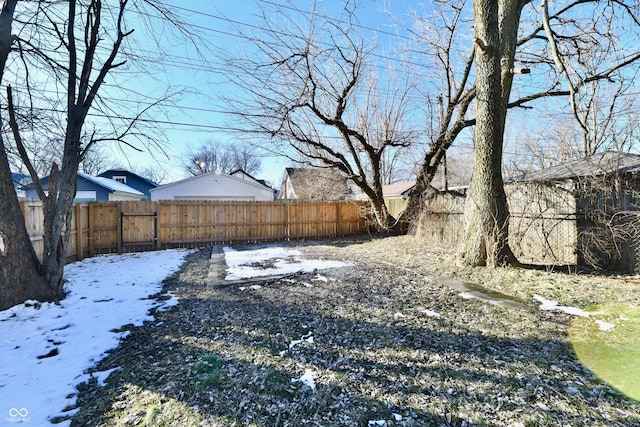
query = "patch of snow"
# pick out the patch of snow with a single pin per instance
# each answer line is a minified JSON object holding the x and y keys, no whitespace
{"x":377,"y":423}
{"x":308,"y":338}
{"x":431,"y":313}
{"x":252,"y":287}
{"x":321,"y":278}
{"x":241,"y":264}
{"x":466,"y":295}
{"x":308,"y":379}
{"x":605,"y":326}
{"x":398,"y":315}
{"x":46,"y":348}
{"x":396,"y":417}
{"x":167,"y":304}
{"x":550,"y":305}
{"x":546,"y":304}
{"x":103,"y":375}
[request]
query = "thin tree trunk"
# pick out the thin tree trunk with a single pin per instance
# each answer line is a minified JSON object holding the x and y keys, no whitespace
{"x":425,"y":175}
{"x":58,"y":209}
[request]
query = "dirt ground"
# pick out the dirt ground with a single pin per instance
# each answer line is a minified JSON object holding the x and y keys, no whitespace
{"x":382,"y":342}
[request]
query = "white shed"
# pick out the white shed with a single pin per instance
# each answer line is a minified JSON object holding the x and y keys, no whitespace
{"x":213,"y":186}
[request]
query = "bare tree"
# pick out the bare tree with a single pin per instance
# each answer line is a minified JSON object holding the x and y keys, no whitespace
{"x":557,"y":142}
{"x":596,"y":61}
{"x":18,"y":260}
{"x":486,"y":236}
{"x":443,"y":35}
{"x":154,"y":174}
{"x":75,"y":46}
{"x":244,"y":157}
{"x":311,"y":91}
{"x":94,"y":161}
{"x":315,"y":184}
{"x":220,"y":157}
{"x":487,"y":233}
{"x":486,"y":211}
{"x":44,"y":153}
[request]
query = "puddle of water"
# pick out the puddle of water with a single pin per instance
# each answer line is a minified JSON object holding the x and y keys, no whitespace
{"x":476,"y":291}
{"x":611,"y":352}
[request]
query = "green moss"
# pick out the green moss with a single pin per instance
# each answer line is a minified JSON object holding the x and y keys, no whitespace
{"x":208,"y":368}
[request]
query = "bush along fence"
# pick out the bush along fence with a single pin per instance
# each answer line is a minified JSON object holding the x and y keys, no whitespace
{"x":133,"y":226}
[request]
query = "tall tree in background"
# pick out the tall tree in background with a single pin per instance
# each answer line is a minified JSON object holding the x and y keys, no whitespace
{"x":311,"y":91}
{"x":43,"y":153}
{"x":595,"y":82}
{"x":592,"y":42}
{"x":496,"y":29}
{"x":219,"y":157}
{"x":443,"y":35}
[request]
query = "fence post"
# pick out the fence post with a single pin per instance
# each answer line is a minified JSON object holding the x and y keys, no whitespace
{"x":286,"y":230}
{"x":338,"y":224}
{"x":92,"y":228}
{"x":158,"y":226}
{"x":23,"y":204}
{"x":120,"y":231}
{"x":79,"y":237}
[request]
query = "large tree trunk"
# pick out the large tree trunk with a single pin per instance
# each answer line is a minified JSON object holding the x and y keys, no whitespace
{"x":486,"y":235}
{"x":382,"y":221}
{"x":20,"y":277}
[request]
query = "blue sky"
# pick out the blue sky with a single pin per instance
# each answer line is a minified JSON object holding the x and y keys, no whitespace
{"x":197,"y":116}
{"x":197,"y":80}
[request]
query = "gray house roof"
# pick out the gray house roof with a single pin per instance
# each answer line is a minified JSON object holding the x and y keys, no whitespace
{"x":595,"y":165}
{"x":397,"y":190}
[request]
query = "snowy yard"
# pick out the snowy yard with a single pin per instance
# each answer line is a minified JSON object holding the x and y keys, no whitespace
{"x":46,"y":349}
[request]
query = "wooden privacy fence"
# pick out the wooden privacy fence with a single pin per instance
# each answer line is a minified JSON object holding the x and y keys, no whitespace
{"x":128,"y":226}
{"x":543,"y":224}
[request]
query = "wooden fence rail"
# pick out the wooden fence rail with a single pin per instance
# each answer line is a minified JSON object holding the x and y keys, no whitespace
{"x":127,"y":226}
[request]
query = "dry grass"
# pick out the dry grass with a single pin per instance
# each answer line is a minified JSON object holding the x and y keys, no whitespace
{"x":222,"y":357}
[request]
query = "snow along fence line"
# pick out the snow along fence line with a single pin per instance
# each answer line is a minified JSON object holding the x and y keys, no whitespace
{"x":135,"y":226}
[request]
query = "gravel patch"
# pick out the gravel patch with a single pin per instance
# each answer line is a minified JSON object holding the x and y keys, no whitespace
{"x":380,"y":343}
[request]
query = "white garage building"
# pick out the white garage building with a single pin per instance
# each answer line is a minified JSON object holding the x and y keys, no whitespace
{"x":238,"y":186}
